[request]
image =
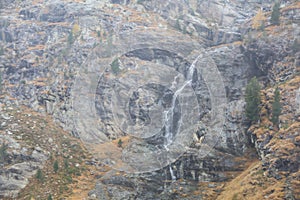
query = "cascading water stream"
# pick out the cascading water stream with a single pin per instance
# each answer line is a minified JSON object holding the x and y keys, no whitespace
{"x":169,"y":114}
{"x":172,"y":173}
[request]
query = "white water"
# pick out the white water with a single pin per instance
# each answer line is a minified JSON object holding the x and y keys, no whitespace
{"x":169,"y":114}
{"x":172,"y":174}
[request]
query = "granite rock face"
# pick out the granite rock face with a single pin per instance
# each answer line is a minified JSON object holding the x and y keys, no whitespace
{"x":106,"y":70}
{"x":18,"y":162}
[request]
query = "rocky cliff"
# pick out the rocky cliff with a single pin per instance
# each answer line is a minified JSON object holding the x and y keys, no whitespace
{"x":155,"y":92}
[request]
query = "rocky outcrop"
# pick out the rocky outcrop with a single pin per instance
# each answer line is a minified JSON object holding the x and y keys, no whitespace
{"x":270,"y":144}
{"x":106,"y":72}
{"x":30,"y":146}
{"x":18,"y":162}
{"x":277,"y":146}
{"x":215,"y":21}
{"x":273,"y":58}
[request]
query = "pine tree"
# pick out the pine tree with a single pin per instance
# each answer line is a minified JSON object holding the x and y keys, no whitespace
{"x":3,"y":152}
{"x":70,"y":39}
{"x":1,"y":87}
{"x":276,"y":108}
{"x":49,"y":197}
{"x":39,"y":175}
{"x":275,"y":14}
{"x":296,"y":46}
{"x":55,"y":166}
{"x":253,"y":100}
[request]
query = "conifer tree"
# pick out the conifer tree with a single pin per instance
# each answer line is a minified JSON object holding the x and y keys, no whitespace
{"x":3,"y":152}
{"x":253,"y":100}
{"x":55,"y":166}
{"x":275,"y":13}
{"x":39,"y":175}
{"x":276,"y":108}
{"x":49,"y":197}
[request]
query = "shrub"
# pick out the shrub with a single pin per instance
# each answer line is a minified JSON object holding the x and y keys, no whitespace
{"x":140,"y":1}
{"x":76,"y":29}
{"x":258,"y":20}
{"x":69,"y":179}
{"x":177,"y":25}
{"x":115,"y":66}
{"x":66,"y":163}
{"x":120,"y":143}
{"x":1,"y":50}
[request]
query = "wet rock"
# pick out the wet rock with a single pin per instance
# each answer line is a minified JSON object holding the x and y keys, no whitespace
{"x":55,"y":43}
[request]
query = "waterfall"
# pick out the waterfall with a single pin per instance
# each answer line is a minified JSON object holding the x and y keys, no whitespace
{"x":169,"y":114}
{"x":172,"y":173}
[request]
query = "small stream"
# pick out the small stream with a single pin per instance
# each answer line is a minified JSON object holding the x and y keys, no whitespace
{"x":169,"y":114}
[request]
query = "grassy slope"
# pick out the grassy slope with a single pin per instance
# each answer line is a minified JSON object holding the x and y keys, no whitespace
{"x":74,"y":177}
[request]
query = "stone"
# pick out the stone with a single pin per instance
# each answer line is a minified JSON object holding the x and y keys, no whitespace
{"x":50,"y":140}
{"x":4,"y":116}
{"x":67,"y":77}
